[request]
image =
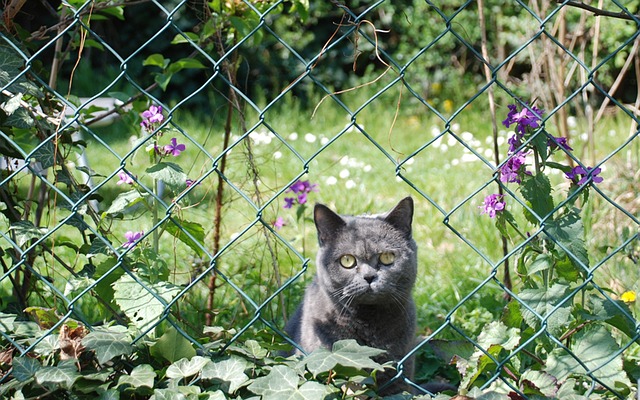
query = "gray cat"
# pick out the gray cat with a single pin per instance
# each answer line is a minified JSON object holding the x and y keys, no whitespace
{"x":366,"y":269}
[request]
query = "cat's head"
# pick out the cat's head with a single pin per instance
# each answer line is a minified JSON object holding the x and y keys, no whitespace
{"x":366,"y":259}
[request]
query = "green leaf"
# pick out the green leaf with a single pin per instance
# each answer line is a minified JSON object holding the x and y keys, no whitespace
{"x":347,"y":353}
{"x":538,"y":382}
{"x":185,"y":63}
{"x":136,"y":300}
{"x":45,"y":155}
{"x":170,"y":173}
{"x":228,"y":372}
{"x":536,"y":190}
{"x":172,"y":346}
{"x":184,"y":368}
{"x":62,"y":375}
{"x":108,"y":343}
{"x":25,"y":231}
{"x":117,"y":12}
{"x":543,"y":301}
{"x":98,"y":246}
{"x":163,"y":80}
{"x":125,"y":202}
{"x":193,"y":228}
{"x":569,"y":232}
{"x":497,"y":333}
{"x":614,"y":313}
{"x":180,"y":38}
{"x":594,"y":347}
{"x":111,"y":394}
{"x":156,"y":60}
{"x":542,"y":262}
{"x":141,"y":375}
{"x":25,"y":368}
{"x":282,"y":384}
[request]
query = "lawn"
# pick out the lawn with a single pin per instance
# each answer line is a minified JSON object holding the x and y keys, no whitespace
{"x":362,"y":166}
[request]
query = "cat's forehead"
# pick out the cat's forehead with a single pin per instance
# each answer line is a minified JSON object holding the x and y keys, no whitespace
{"x":365,"y":234}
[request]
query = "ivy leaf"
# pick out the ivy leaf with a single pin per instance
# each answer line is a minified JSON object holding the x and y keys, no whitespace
{"x":193,"y":228}
{"x":172,"y":346}
{"x":136,"y":300}
{"x":229,"y":372}
{"x":111,"y":394}
{"x":63,"y":375}
{"x":536,"y":190}
{"x":282,"y":384}
{"x":543,"y":301}
{"x":108,"y":343}
{"x":185,"y":368}
{"x":25,"y":368}
{"x":594,"y":347}
{"x":98,"y":246}
{"x":569,"y":232}
{"x":141,"y":375}
{"x":45,"y":155}
{"x":25,"y":231}
{"x":346,"y":353}
{"x":170,"y":173}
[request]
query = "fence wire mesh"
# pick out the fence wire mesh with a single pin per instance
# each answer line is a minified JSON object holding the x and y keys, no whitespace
{"x":83,"y":248}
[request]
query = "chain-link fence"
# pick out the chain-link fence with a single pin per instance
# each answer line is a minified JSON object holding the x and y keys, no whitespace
{"x":172,"y":219}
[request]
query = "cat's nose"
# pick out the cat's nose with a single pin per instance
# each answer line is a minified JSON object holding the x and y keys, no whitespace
{"x":370,"y":278}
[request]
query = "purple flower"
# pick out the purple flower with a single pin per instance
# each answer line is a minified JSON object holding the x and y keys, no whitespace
{"x":132,"y":237}
{"x":492,"y":204}
{"x":279,"y":223}
{"x":151,"y":117}
{"x":189,"y":182}
{"x":523,"y":118}
{"x":288,"y":202}
{"x":584,"y":175}
{"x":301,"y":189}
{"x":125,"y":178}
{"x":512,"y":170}
{"x":174,"y":148}
{"x":555,"y":142}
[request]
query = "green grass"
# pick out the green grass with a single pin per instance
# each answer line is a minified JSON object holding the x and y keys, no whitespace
{"x":354,"y":176}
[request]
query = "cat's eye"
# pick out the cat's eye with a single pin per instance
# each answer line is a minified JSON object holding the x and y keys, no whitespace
{"x":387,"y":258}
{"x":348,"y":261}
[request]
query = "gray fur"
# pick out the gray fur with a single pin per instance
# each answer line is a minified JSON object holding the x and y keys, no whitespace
{"x":341,"y":304}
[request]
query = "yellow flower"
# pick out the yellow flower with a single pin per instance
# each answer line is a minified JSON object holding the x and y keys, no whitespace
{"x":628,"y":297}
{"x":448,"y":106}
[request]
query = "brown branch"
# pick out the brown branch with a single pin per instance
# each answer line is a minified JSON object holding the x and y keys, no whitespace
{"x":600,"y":12}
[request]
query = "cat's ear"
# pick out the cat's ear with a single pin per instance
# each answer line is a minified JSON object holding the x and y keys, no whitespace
{"x":327,"y":222}
{"x":400,"y":217}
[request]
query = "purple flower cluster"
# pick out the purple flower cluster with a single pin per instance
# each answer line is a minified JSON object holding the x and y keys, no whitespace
{"x":513,"y":169}
{"x":584,"y":175}
{"x":523,"y":118}
{"x":301,"y":189}
{"x":492,"y":204}
{"x":151,"y":118}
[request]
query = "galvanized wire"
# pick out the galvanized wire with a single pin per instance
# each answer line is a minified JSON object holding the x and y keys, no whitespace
{"x":353,"y":23}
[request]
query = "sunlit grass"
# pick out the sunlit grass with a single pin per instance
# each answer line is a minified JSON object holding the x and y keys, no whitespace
{"x":361,"y":163}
